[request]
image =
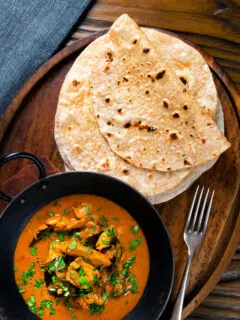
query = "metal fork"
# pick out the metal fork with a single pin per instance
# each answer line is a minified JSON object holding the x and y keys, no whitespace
{"x":194,"y":232}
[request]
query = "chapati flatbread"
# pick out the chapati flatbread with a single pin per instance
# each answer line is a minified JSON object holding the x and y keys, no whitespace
{"x":82,"y":147}
{"x":143,"y":109}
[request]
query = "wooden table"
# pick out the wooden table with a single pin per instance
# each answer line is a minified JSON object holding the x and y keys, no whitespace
{"x":215,"y":26}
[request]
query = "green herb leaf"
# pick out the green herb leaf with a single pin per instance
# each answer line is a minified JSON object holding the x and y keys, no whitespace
{"x":27,"y":275}
{"x":134,"y":229}
{"x":73,"y":245}
{"x":111,"y":232}
{"x":87,"y":249}
{"x":57,"y":264}
{"x":87,"y":209}
{"x":134,"y":285}
{"x":39,"y":284}
{"x":83,"y":282}
{"x":104,"y":296}
{"x":40,"y":312}
{"x":104,"y":241}
{"x":95,"y":279}
{"x":96,"y":308}
{"x":61,"y":237}
{"x":46,"y":304}
{"x":115,"y":219}
{"x":47,"y":235}
{"x":32,"y":304}
{"x":20,"y":289}
{"x":65,"y":212}
{"x":92,"y":216}
{"x":73,"y":316}
{"x":87,"y":260}
{"x":135,"y":243}
{"x":93,"y":228}
{"x":103,"y":218}
{"x":33,"y":251}
{"x":15,"y":269}
{"x":81,"y":272}
{"x":99,"y":209}
{"x":50,"y":213}
{"x":54,"y":278}
{"x":54,"y":244}
{"x":77,"y":235}
{"x":184,"y":155}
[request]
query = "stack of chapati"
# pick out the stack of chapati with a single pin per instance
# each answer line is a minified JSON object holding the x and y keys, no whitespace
{"x":140,"y":105}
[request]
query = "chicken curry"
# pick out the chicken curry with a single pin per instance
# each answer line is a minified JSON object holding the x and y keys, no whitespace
{"x":81,"y":257}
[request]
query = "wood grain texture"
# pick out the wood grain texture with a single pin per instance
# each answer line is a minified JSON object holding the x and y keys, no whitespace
{"x":215,"y":25}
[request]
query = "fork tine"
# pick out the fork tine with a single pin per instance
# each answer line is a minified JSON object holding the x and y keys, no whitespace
{"x":197,"y":210}
{"x":191,"y":209}
{"x":208,"y":213}
{"x":202,"y":211}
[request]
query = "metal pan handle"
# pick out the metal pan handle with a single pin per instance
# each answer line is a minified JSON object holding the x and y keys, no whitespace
{"x":17,"y":155}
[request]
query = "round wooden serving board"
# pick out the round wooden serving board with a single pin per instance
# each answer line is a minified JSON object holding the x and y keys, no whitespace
{"x":28,"y":125}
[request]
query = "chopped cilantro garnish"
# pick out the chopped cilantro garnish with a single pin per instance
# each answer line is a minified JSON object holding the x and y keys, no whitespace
{"x":20,"y":289}
{"x":33,"y":251}
{"x":53,"y":244}
{"x":58,"y":300}
{"x":95,"y":279}
{"x":76,"y":235}
{"x":104,"y":296}
{"x":115,"y":219}
{"x":134,"y":229}
{"x":183,"y":155}
{"x":27,"y":275}
{"x":83,"y":282}
{"x":73,"y":316}
{"x":104,"y":226}
{"x":96,"y":309}
{"x":92,"y":216}
{"x":99,"y":209}
{"x":129,"y":262}
{"x":41,"y":312}
{"x":104,"y":241}
{"x":46,"y":304}
{"x":60,"y":237}
{"x":73,"y":245}
{"x":87,"y":249}
{"x":135,"y":243}
{"x":50,"y":213}
{"x":87,"y":209}
{"x":32,"y":304}
{"x":134,"y":285}
{"x":39,"y":284}
{"x":103,"y":218}
{"x":47,"y":235}
{"x":15,"y":269}
{"x":93,"y":228}
{"x":87,"y":260}
{"x":54,"y":278}
{"x":83,"y":241}
{"x":111,"y":232}
{"x":57,"y":264}
{"x":65,"y":212}
{"x":123,"y":249}
{"x":81,"y":272}
{"x":70,"y":308}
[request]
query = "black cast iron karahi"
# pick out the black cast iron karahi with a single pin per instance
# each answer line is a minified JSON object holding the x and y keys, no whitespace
{"x":22,"y":207}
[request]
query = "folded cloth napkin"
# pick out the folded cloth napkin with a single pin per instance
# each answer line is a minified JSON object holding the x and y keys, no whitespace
{"x":30,"y":32}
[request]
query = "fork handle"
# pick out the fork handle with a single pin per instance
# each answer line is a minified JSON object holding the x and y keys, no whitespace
{"x":177,"y":310}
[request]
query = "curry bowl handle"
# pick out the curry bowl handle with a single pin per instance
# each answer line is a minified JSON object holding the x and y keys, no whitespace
{"x":18,"y":155}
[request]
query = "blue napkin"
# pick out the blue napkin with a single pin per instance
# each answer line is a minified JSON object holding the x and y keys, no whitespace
{"x":30,"y":32}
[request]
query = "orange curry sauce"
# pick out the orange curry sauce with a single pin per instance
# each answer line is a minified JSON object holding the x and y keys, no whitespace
{"x":114,"y":308}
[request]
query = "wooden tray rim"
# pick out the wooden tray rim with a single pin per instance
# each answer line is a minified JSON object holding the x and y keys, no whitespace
{"x":234,"y":97}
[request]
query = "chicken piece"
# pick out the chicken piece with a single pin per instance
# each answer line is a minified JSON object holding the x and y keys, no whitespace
{"x":79,"y":302}
{"x":96,"y":258}
{"x":83,"y":278}
{"x":106,"y":238}
{"x":93,"y":297}
{"x":83,"y":210}
{"x":89,"y":232}
{"x":39,"y":233}
{"x":65,"y":224}
{"x":57,"y":251}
